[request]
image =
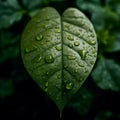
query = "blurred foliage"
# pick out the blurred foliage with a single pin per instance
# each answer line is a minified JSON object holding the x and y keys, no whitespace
{"x":98,"y":98}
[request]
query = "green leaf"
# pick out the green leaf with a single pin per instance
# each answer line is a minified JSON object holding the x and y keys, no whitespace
{"x":107,"y":74}
{"x":59,"y":52}
{"x":31,"y":4}
{"x":6,"y":88}
{"x":10,"y":12}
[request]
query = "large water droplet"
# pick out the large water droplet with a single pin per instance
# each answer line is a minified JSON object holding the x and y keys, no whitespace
{"x":71,"y":57}
{"x":69,"y":86}
{"x":82,"y":54}
{"x":49,"y":59}
{"x":58,"y":47}
{"x":70,"y":45}
{"x":57,"y":30}
{"x":39,"y":37}
{"x":76,"y":43}
{"x":70,"y":37}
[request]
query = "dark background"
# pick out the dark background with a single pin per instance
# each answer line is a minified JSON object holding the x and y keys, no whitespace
{"x":97,"y":99}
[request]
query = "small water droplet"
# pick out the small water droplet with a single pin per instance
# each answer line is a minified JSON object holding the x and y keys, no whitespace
{"x":58,"y":76}
{"x":76,"y":43}
{"x":81,"y":79}
{"x":49,"y":59}
{"x":69,"y":86}
{"x":39,"y":37}
{"x":58,"y":47}
{"x":92,"y":62}
{"x":30,"y":49}
{"x":86,"y":70}
{"x":71,"y":57}
{"x":82,"y":54}
{"x":93,"y":42}
{"x":70,"y":45}
{"x":70,"y":37}
{"x":80,"y":64}
{"x":37,"y":59}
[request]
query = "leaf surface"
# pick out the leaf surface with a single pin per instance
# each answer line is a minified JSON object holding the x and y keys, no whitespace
{"x":59,"y":52}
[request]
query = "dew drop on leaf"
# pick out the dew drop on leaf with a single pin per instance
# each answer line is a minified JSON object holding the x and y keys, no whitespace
{"x":70,"y":37}
{"x":71,"y":57}
{"x":70,"y":45}
{"x":69,"y":86}
{"x":39,"y":37}
{"x":76,"y":43}
{"x":30,"y":49}
{"x":58,"y":47}
{"x":82,"y":54}
{"x":49,"y":59}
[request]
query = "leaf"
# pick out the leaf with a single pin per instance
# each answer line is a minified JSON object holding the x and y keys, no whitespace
{"x":31,"y":4}
{"x":6,"y":88}
{"x":107,"y":75}
{"x":10,"y":12}
{"x":59,"y":52}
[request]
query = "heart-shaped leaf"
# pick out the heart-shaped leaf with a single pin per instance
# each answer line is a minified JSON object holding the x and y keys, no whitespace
{"x":59,"y":52}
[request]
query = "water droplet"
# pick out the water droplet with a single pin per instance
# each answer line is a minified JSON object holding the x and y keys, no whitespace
{"x":59,"y":47}
{"x":39,"y":37}
{"x":70,"y":45}
{"x":30,"y":49}
{"x":93,"y":42}
{"x":71,"y":57}
{"x":69,"y":86}
{"x":92,"y":62}
{"x":37,"y":59}
{"x":82,"y":54}
{"x":49,"y":59}
{"x":80,"y":64}
{"x":70,"y":37}
{"x":76,"y":43}
{"x":58,"y":76}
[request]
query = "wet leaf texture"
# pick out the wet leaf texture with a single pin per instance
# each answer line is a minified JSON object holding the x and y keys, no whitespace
{"x":59,"y":52}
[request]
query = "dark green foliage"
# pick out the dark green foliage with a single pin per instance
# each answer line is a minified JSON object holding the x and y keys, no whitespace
{"x":21,"y":99}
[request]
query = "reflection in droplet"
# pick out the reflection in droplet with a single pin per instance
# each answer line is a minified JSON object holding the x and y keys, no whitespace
{"x":69,"y":86}
{"x":82,"y":54}
{"x":70,"y":45}
{"x":49,"y":59}
{"x":58,"y":47}
{"x":39,"y":37}
{"x":71,"y":57}
{"x":70,"y":37}
{"x":76,"y":43}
